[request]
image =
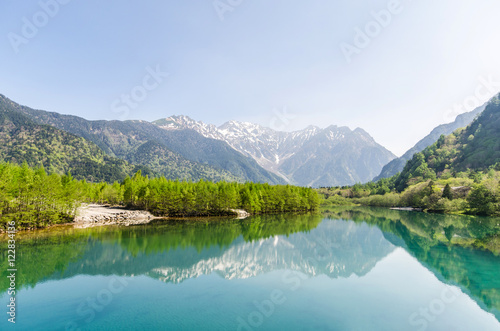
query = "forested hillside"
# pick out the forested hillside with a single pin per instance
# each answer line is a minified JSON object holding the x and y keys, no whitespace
{"x":460,"y":173}
{"x":398,"y":164}
{"x":122,"y":139}
{"x":172,"y":165}
{"x":475,"y":147}
{"x":32,"y":198}
{"x":59,"y":152}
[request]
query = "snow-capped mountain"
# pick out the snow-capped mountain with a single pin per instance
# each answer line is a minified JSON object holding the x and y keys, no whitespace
{"x":308,"y":157}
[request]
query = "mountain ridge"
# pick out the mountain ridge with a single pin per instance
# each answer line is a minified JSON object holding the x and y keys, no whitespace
{"x":123,"y":139}
{"x":22,"y":140}
{"x":397,"y":165}
{"x":241,"y":151}
{"x":473,"y":148}
{"x":292,"y":156}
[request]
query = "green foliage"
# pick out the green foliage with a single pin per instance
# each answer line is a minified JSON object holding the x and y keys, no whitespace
{"x":414,"y":171}
{"x":173,"y":166}
{"x":32,"y":198}
{"x":174,"y":198}
{"x":472,"y":149}
{"x":482,"y":201}
{"x":459,"y":173}
{"x":447,"y":192}
{"x":397,"y":165}
{"x":456,"y":206}
{"x":470,"y":192}
{"x":57,"y":151}
{"x":386,"y":200}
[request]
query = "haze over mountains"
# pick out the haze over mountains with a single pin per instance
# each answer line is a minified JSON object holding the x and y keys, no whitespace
{"x":310,"y":157}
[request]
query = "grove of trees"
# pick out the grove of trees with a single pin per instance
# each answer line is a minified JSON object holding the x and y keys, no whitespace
{"x":33,"y":198}
{"x":468,"y":192}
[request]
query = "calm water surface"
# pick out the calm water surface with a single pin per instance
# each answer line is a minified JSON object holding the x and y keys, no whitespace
{"x":359,"y":269}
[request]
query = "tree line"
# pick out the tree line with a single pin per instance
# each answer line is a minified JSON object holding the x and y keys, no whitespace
{"x":468,"y":192}
{"x":34,"y":198}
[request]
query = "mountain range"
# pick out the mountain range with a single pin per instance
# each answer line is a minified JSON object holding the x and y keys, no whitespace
{"x":181,"y":148}
{"x":311,"y":157}
{"x":183,"y":154}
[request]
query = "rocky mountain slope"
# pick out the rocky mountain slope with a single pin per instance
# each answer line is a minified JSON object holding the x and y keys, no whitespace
{"x":57,"y":151}
{"x":309,"y":157}
{"x":183,"y":154}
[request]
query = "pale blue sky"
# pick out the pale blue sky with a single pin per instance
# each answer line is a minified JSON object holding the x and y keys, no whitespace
{"x":264,"y":56}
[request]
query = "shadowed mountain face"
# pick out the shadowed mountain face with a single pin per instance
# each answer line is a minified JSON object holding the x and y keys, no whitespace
{"x":181,"y":154}
{"x":310,"y":157}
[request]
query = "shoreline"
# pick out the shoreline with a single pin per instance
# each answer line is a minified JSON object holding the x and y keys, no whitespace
{"x":407,"y":209}
{"x":91,"y":215}
{"x":97,"y":215}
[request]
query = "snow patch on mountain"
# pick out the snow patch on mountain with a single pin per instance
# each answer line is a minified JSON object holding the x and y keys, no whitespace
{"x":273,"y":149}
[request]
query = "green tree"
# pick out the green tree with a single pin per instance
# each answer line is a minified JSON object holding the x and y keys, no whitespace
{"x":447,"y":192}
{"x":482,"y":201}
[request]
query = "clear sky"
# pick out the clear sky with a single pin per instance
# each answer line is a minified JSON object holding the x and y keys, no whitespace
{"x":394,"y":68}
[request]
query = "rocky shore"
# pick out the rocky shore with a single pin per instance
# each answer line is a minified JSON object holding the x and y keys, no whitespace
{"x":99,"y":215}
{"x":90,"y":215}
{"x":240,"y":213}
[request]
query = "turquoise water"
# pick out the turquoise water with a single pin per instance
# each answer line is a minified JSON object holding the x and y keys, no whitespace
{"x":350,"y":270}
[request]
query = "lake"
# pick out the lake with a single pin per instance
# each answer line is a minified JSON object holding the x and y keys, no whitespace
{"x":344,"y":269}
